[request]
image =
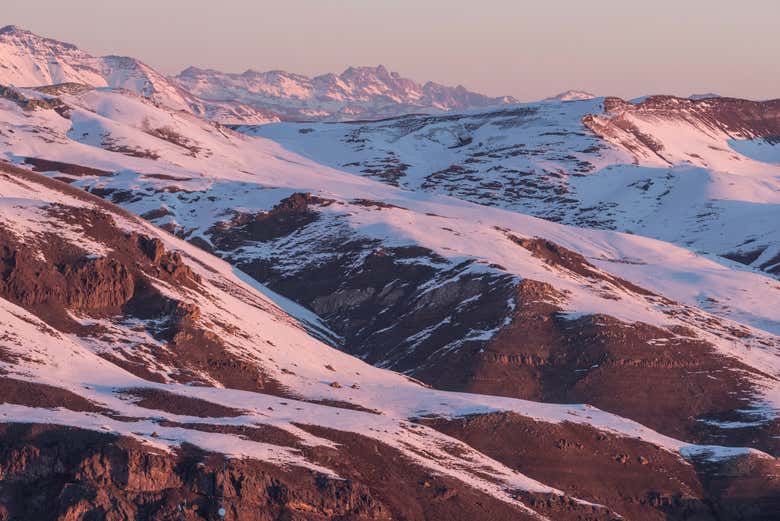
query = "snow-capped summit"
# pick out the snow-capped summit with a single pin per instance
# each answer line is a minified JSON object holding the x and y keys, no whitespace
{"x":29,"y":60}
{"x":365,"y":92}
{"x":571,"y":95}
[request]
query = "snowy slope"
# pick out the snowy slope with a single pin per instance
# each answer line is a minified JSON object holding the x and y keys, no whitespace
{"x":690,"y":173}
{"x":190,"y":176}
{"x":165,"y":156}
{"x":41,"y":349}
{"x":565,"y":362}
{"x":258,"y":329}
{"x":691,"y":339}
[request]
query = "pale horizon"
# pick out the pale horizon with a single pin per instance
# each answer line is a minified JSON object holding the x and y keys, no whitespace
{"x":496,"y":47}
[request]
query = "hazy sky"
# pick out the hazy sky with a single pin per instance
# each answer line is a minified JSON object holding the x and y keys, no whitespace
{"x":515,"y":47}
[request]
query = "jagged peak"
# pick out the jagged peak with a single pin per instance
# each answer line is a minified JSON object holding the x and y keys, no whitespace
{"x":378,"y":69}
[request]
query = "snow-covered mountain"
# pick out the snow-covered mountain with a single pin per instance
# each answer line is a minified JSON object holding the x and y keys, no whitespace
{"x":151,"y":377}
{"x":357,"y":93}
{"x":29,"y":60}
{"x":571,"y":95}
{"x":683,"y":171}
{"x":139,"y":355}
{"x":559,"y":310}
{"x":156,"y":354}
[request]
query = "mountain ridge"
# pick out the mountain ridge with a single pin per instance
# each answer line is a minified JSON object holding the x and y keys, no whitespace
{"x":250,"y":97}
{"x":358,"y":92}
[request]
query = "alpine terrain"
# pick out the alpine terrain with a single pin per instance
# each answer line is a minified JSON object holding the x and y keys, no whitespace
{"x":252,"y":97}
{"x":418,"y":303}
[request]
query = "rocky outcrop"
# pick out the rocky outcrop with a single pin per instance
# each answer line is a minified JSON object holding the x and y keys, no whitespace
{"x":33,"y":103}
{"x":640,"y":481}
{"x":46,"y":165}
{"x":672,"y":383}
{"x":65,"y":474}
{"x":738,"y":117}
{"x":53,"y":272}
{"x":51,"y":473}
{"x":87,"y":284}
{"x":290,"y":214}
{"x":52,"y":276}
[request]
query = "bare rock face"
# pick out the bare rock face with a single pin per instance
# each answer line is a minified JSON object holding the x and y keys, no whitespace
{"x":64,"y":474}
{"x":734,"y":116}
{"x":378,"y":299}
{"x":86,"y":284}
{"x":98,"y":284}
{"x":55,"y":273}
{"x":52,"y":277}
{"x":87,"y":475}
{"x":637,"y":479}
{"x":635,"y":370}
{"x":168,"y":264}
{"x":288,"y":215}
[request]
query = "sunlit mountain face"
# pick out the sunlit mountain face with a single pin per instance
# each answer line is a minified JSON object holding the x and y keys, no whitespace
{"x":267,"y":296}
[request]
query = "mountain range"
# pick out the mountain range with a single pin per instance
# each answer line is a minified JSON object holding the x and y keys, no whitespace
{"x":560,"y":310}
{"x":28,"y":60}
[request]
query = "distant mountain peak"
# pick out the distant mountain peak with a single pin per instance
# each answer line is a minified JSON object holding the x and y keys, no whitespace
{"x":571,"y":95}
{"x":358,"y":92}
{"x":11,"y":29}
{"x":378,"y":69}
{"x":707,"y":95}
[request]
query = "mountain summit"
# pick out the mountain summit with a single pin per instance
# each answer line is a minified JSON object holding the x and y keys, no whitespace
{"x":571,"y":95}
{"x":29,"y":60}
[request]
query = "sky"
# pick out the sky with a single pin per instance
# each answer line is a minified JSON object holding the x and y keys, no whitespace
{"x":526,"y":49}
